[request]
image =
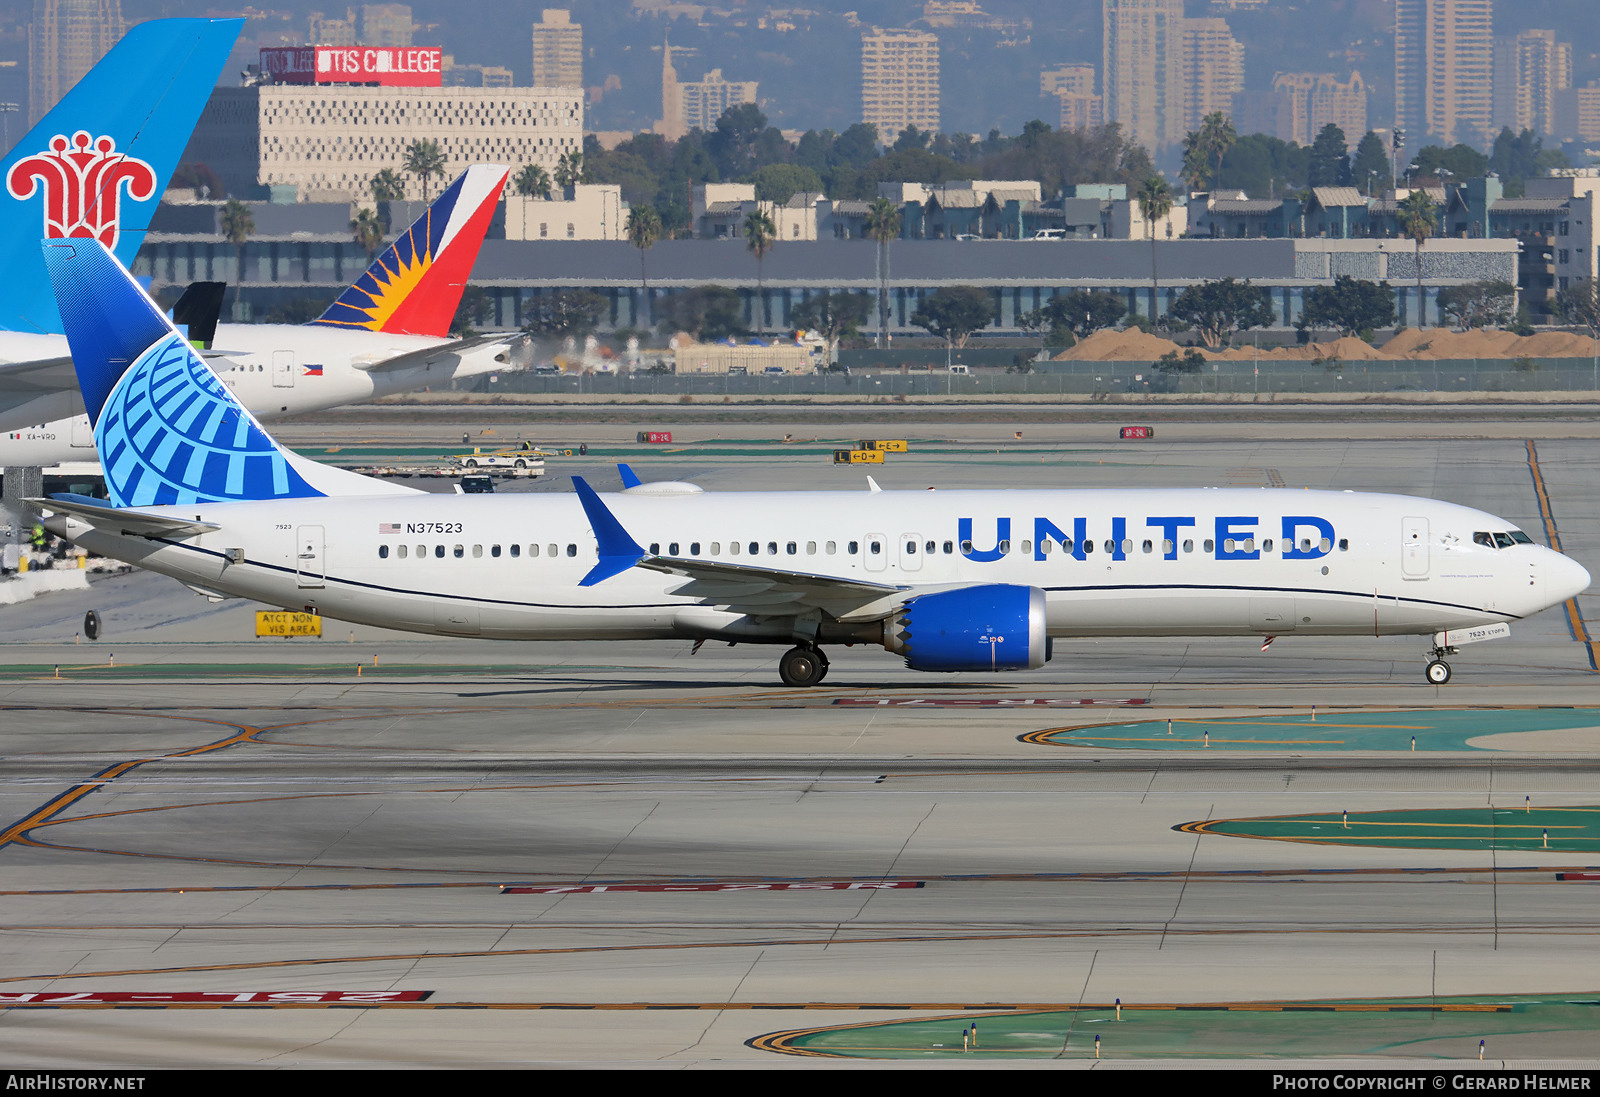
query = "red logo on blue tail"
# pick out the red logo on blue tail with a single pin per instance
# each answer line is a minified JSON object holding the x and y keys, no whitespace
{"x":83,"y":180}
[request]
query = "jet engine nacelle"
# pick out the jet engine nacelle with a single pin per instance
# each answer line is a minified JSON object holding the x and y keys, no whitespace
{"x":994,"y":627}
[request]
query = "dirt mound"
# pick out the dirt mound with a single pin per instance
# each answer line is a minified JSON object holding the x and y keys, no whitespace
{"x":1132,"y":345}
{"x":1444,"y":343}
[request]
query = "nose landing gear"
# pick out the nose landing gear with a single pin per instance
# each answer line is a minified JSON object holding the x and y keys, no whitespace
{"x":1437,"y":672}
{"x":804,"y":665}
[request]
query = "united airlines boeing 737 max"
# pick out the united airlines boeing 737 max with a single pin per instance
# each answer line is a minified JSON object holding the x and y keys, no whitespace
{"x":951,"y":581}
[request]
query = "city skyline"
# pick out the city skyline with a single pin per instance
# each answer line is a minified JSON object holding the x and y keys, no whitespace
{"x":1491,"y":66}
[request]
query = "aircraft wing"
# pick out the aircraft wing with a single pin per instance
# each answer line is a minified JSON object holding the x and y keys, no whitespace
{"x":38,"y":376}
{"x":136,"y":522}
{"x":433,"y":354}
{"x":756,"y":591}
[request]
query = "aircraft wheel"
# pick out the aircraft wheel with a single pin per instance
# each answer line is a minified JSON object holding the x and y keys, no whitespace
{"x":802,"y":667}
{"x":1438,"y":672}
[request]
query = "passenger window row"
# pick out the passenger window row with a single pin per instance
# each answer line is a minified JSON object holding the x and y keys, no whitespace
{"x":460,"y":552}
{"x":875,"y":548}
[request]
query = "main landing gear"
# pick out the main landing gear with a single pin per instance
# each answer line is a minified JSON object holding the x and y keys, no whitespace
{"x":804,"y":665}
{"x":1437,"y":672}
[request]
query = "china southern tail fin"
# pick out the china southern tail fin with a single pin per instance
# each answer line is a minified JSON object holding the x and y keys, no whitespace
{"x":167,"y":429}
{"x":95,"y":166}
{"x":413,"y":288}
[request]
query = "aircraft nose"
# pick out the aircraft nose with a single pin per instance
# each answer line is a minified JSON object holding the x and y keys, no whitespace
{"x":1567,"y":577}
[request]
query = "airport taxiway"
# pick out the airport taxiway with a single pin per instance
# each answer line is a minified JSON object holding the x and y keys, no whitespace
{"x":628,"y":853}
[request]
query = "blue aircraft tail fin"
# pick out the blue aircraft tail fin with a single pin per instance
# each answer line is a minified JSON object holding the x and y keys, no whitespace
{"x":96,"y":164}
{"x":167,"y":429}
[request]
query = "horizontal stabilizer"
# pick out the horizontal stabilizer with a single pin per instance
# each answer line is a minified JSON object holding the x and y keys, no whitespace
{"x":419,"y":358}
{"x":122,"y":520}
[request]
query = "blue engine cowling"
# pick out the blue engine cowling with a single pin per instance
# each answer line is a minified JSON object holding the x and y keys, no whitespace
{"x":994,"y":627}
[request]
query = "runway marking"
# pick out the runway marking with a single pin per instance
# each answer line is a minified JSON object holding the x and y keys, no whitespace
{"x":830,"y":941}
{"x":1433,"y":729}
{"x":46,"y":815}
{"x":286,"y":1001}
{"x":1576,"y":829}
{"x":1150,"y":876}
{"x":1576,"y":626}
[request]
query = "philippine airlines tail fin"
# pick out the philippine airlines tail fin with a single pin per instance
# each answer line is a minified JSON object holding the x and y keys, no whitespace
{"x":167,"y":429}
{"x":95,"y":166}
{"x":413,"y":288}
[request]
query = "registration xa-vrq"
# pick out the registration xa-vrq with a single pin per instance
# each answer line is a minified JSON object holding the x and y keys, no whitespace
{"x":949,"y":580}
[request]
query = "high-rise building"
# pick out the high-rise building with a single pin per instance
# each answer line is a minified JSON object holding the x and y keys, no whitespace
{"x":557,"y":50}
{"x":1444,"y":70}
{"x":1073,"y":87}
{"x":1142,"y":70}
{"x":899,"y":81}
{"x":703,"y":101}
{"x":386,"y":25}
{"x":1530,"y":72}
{"x":332,"y":31}
{"x":1313,"y":100}
{"x":1213,"y":69}
{"x":65,"y":40}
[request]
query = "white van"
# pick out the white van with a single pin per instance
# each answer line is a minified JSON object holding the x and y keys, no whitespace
{"x":959,"y":368}
{"x":1049,"y":234}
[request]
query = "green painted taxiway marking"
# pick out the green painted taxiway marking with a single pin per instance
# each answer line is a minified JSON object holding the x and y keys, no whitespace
{"x":1563,"y":829}
{"x":1446,"y":1029}
{"x":1433,"y":729}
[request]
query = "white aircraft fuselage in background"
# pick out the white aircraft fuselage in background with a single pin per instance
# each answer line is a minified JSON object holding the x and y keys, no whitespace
{"x":276,"y":370}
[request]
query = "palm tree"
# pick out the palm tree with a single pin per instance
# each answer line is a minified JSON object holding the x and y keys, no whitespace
{"x":1216,"y":137}
{"x":1155,"y":202}
{"x":644,"y":229}
{"x":1416,"y":217}
{"x":424,"y":159}
{"x":883,"y":225}
{"x":533,"y":182}
{"x":569,"y":169}
{"x":387,"y":186}
{"x":368,"y":231}
{"x":761,"y":234}
{"x":237,"y":227}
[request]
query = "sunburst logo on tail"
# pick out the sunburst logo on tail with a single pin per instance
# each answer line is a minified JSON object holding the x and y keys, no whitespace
{"x":373,"y":300}
{"x":416,"y":284}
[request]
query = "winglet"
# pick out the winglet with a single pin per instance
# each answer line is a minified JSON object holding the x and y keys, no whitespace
{"x":630,"y":479}
{"x":618,"y":550}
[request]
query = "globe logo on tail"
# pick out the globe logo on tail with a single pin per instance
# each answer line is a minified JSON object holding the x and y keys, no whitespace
{"x":83,"y":179}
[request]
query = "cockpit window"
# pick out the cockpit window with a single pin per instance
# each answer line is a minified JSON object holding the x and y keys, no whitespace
{"x":1501,"y":540}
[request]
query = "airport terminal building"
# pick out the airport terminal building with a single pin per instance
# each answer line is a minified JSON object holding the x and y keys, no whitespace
{"x":1021,"y":275}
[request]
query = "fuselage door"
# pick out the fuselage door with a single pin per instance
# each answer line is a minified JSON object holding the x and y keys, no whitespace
{"x":82,"y":433}
{"x":1414,"y":548}
{"x":309,"y":569}
{"x":283,"y":369}
{"x":910,"y":545}
{"x":874,"y":552}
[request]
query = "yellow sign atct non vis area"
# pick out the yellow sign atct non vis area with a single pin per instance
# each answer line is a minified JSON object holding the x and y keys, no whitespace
{"x":285,"y":623}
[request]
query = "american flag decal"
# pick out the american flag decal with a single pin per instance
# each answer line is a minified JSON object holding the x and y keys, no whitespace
{"x":388,"y":527}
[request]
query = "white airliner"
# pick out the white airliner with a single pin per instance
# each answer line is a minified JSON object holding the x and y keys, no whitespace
{"x":387,"y":333}
{"x":951,"y":581}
